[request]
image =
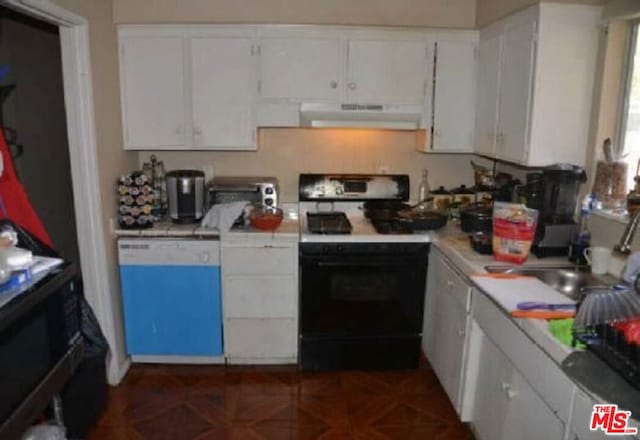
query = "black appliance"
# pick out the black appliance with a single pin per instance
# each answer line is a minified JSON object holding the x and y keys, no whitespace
{"x":361,"y":293}
{"x":34,"y":338}
{"x":557,"y":204}
{"x":186,"y":193}
{"x":361,"y":305}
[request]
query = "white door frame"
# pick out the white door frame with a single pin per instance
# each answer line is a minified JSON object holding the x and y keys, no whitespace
{"x":78,"y":97}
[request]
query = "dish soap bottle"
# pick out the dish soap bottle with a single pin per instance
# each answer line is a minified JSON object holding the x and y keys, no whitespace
{"x":424,"y":191}
{"x":582,"y":239}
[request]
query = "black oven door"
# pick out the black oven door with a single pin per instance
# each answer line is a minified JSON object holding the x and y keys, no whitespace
{"x":362,"y":295}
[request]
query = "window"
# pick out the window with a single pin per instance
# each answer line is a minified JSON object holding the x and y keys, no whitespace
{"x":629,"y":134}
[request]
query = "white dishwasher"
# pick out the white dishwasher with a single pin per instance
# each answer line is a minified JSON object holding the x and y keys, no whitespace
{"x":171,"y":299}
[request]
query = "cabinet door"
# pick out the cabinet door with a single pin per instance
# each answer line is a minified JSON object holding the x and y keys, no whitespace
{"x":300,"y":68}
{"x":223,"y":88}
{"x":490,"y":406}
{"x":449,"y":344}
{"x":386,"y":71}
{"x":515,"y":91}
{"x":152,"y":92}
{"x":454,"y":96}
{"x":527,"y":416}
{"x":487,"y":88}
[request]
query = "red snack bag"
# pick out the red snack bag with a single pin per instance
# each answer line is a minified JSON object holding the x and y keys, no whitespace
{"x":514,"y":226}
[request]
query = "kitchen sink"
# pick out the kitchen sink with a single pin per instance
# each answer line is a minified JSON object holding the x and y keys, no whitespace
{"x":567,"y":279}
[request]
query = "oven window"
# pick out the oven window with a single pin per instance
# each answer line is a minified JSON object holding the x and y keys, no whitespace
{"x":363,"y":287}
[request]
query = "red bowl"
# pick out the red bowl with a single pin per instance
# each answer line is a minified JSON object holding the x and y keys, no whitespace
{"x":266,"y":221}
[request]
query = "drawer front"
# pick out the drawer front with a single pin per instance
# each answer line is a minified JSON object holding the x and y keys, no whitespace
{"x":256,"y":338}
{"x":457,"y":286}
{"x":542,"y":373}
{"x":267,"y":260}
{"x":260,"y":297}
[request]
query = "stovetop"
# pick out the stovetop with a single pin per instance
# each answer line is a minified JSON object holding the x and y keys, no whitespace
{"x":362,"y":229}
{"x":391,"y":227}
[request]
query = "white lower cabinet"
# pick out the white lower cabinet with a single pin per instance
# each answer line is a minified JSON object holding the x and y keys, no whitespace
{"x":260,"y":300}
{"x":581,"y":419}
{"x":445,"y":326}
{"x":505,"y":406}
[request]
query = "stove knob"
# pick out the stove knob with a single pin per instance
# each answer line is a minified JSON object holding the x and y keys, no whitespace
{"x":340,"y":248}
{"x":268,"y":201}
{"x":326,"y":249}
{"x":268,"y":190}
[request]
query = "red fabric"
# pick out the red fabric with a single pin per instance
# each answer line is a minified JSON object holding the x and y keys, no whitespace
{"x":15,"y":200}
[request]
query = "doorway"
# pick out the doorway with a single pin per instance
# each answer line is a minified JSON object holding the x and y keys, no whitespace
{"x":34,"y":117}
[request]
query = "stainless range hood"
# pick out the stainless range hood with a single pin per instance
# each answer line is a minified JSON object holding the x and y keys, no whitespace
{"x":397,"y":117}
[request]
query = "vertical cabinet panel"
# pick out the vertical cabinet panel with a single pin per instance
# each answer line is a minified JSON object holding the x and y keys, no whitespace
{"x":386,"y":71}
{"x":300,"y":68}
{"x":487,"y":92}
{"x":454,"y":96}
{"x":152,"y":92}
{"x":223,"y":77}
{"x":516,"y":89}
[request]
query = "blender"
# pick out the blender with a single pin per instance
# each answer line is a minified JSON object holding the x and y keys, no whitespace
{"x":556,"y":225}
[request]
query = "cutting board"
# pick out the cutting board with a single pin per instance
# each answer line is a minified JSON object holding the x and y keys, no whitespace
{"x":509,"y":291}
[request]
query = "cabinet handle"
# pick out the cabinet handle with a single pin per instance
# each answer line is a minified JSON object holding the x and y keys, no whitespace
{"x":352,"y":86}
{"x":449,"y":283}
{"x":461,"y":332}
{"x":508,"y":391}
{"x":334,"y":84}
{"x":197,"y":130}
{"x":437,"y":132}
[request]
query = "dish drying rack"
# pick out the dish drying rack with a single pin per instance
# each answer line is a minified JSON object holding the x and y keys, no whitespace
{"x":594,"y":326}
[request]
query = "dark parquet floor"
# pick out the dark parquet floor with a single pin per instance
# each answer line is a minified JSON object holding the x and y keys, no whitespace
{"x":207,"y":403}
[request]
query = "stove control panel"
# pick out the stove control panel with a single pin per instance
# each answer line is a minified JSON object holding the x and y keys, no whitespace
{"x":353,"y":187}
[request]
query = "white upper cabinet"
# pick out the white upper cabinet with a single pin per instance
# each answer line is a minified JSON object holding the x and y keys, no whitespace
{"x":515,"y":95}
{"x":306,"y":69}
{"x":535,"y":80}
{"x":453,"y":96}
{"x":152,"y":92}
{"x":381,"y":71}
{"x":222,"y":85}
{"x":488,"y":79}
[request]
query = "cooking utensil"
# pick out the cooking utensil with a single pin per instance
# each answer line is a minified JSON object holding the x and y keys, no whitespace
{"x":420,"y":220}
{"x":538,"y":305}
{"x":476,"y":218}
{"x":383,"y":210}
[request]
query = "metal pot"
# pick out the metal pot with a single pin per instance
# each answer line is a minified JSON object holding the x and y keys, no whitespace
{"x":477,"y":218}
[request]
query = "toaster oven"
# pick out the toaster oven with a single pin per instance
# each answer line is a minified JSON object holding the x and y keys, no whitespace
{"x":261,"y":191}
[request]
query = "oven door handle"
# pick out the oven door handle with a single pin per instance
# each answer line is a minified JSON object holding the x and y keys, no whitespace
{"x":404,"y":263}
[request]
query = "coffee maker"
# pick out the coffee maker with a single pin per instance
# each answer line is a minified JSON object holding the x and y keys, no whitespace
{"x":554,"y":192}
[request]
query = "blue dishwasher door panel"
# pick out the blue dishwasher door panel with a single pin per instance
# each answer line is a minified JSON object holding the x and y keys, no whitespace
{"x":172,"y":310}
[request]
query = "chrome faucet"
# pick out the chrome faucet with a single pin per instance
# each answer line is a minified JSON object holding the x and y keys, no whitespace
{"x":624,"y":247}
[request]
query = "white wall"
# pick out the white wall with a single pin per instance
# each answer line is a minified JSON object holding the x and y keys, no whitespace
{"x":437,"y":13}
